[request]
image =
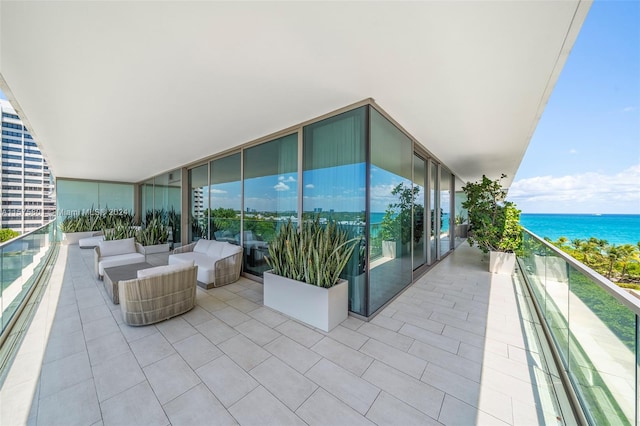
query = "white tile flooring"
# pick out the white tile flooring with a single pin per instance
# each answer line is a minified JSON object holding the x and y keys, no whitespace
{"x":456,"y":348}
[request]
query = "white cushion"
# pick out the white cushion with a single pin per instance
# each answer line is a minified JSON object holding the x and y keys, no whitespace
{"x":206,"y":275}
{"x":164,"y":269}
{"x":91,"y":241}
{"x":201,"y":246}
{"x":116,"y":247}
{"x":206,"y":264}
{"x":190,"y":256}
{"x":229,"y":250}
{"x":215,"y":248}
{"x":119,"y":260}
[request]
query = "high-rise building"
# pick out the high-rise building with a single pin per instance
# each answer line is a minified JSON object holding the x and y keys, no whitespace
{"x":28,"y":201}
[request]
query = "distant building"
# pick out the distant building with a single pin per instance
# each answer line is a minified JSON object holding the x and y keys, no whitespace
{"x":28,"y":199}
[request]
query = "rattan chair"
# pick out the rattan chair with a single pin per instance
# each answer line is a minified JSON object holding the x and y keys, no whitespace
{"x":158,"y":297}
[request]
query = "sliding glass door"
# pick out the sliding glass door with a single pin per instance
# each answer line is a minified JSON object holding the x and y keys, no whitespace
{"x":270,"y":197}
{"x":419,"y":240}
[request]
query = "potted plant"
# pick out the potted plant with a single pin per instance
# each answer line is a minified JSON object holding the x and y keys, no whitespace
{"x":494,"y":224}
{"x":461,"y":226}
{"x":154,"y":237}
{"x":389,"y":233}
{"x":304,"y":282}
{"x":80,"y":225}
{"x":120,"y":229}
{"x":397,"y":222}
{"x":90,"y":223}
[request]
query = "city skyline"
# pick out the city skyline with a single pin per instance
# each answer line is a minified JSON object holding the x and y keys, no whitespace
{"x":27,"y":189}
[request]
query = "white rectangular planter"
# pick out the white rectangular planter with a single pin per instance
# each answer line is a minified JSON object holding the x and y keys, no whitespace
{"x":69,"y":238}
{"x":323,"y":308}
{"x":389,"y":249}
{"x":157,"y":248}
{"x":501,"y":263}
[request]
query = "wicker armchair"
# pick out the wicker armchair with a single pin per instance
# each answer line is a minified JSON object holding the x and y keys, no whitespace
{"x":219,"y":263}
{"x":158,"y":297}
{"x":184,"y":249}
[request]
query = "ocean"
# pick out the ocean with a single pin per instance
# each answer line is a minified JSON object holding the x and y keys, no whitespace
{"x":615,"y":228}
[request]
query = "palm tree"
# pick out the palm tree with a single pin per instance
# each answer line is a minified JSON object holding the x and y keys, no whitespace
{"x":613,"y":254}
{"x":563,"y":240}
{"x":628,"y":253}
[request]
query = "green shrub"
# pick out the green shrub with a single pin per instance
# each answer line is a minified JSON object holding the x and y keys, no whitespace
{"x":7,"y":234}
{"x":154,"y":232}
{"x":121,"y":229}
{"x":95,"y":220}
{"x":315,"y":254}
{"x":494,"y":224}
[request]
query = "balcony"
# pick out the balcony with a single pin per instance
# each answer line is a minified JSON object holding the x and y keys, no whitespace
{"x":459,"y":346}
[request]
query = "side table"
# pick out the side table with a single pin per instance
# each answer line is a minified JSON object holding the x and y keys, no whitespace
{"x":112,"y":276}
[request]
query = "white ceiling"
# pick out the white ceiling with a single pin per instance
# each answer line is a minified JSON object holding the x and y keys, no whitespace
{"x":122,"y":91}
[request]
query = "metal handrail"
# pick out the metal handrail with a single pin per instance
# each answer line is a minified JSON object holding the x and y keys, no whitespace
{"x":19,"y":237}
{"x":617,"y":292}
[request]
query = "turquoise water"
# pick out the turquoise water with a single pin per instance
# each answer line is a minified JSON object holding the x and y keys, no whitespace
{"x":615,"y":228}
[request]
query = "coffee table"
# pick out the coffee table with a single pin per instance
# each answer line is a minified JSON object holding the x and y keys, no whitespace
{"x":112,"y":276}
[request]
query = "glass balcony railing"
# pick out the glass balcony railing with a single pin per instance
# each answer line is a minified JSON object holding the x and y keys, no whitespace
{"x":21,"y":262}
{"x":593,"y":324}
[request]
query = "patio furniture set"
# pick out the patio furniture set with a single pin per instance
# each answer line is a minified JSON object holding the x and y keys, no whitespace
{"x":148,"y":294}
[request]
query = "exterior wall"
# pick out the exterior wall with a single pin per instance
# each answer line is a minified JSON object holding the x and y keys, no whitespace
{"x":355,"y":167}
{"x":75,"y":196}
{"x":28,"y":199}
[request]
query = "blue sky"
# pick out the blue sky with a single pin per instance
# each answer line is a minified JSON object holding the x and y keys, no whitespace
{"x":585,"y":154}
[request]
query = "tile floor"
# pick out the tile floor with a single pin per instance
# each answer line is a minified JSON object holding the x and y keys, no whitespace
{"x":457,"y":348}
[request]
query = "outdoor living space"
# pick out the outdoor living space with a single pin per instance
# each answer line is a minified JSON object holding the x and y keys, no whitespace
{"x":457,"y":347}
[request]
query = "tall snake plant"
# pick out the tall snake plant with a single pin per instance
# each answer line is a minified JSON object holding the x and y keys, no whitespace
{"x":315,"y":254}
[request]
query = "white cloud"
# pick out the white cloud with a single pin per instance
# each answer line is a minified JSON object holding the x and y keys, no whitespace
{"x":217,"y":191}
{"x":288,"y":179}
{"x":309,"y":186}
{"x":281,"y":186}
{"x":590,"y":192}
{"x":381,"y":197}
{"x":573,"y":151}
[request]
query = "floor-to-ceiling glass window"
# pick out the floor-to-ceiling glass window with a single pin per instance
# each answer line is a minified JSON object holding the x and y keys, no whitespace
{"x":146,"y":198}
{"x":461,"y":220}
{"x":198,"y":202}
{"x":75,"y":196}
{"x":334,"y":187}
{"x":270,"y":196}
{"x":391,"y":195}
{"x":225,"y":193}
{"x":167,"y":204}
{"x":433,"y":207}
{"x":419,"y":238}
{"x":446,"y":240}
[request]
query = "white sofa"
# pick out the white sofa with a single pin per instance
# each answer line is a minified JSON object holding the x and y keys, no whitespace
{"x":91,"y":242}
{"x":219,"y":263}
{"x":117,"y":253}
